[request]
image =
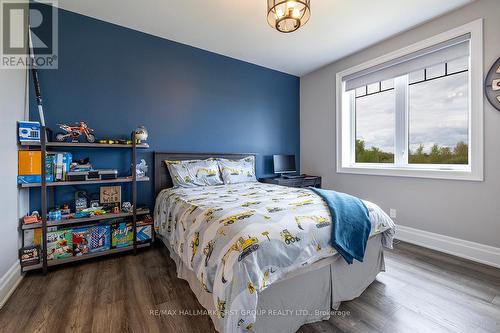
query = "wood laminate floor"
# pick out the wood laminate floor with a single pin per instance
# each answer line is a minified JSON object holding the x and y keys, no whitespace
{"x":422,"y":291}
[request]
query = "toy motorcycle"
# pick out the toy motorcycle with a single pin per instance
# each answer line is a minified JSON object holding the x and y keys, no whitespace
{"x":74,"y":132}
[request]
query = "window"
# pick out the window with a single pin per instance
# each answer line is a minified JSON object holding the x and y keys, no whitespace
{"x":416,"y":112}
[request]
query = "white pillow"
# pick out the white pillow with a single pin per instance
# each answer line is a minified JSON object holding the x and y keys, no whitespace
{"x":238,"y":171}
{"x":194,"y":173}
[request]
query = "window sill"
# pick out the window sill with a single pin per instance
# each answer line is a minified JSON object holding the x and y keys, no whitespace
{"x":414,"y":173}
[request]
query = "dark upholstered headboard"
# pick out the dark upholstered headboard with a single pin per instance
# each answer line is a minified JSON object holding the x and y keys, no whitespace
{"x":162,"y":175}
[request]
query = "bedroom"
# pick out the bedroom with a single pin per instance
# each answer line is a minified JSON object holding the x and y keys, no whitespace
{"x":265,"y":166}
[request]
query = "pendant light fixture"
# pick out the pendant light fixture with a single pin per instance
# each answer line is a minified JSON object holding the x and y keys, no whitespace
{"x":288,"y":15}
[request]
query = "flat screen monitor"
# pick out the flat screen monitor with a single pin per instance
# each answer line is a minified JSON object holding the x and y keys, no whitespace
{"x":284,"y":164}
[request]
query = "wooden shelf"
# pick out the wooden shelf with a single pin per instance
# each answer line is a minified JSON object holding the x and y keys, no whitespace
{"x":57,"y":262}
{"x":83,"y":220}
{"x":86,"y":182}
{"x":83,"y":145}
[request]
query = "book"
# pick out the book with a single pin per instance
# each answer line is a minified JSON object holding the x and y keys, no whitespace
{"x":50,"y":162}
{"x":59,"y":166}
{"x":67,"y":159}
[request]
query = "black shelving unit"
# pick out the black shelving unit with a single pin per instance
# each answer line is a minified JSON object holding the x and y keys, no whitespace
{"x":43,"y":185}
{"x":76,"y":221}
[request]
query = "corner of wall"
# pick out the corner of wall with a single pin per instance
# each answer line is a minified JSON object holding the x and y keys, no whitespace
{"x":9,"y":282}
{"x":13,"y":97}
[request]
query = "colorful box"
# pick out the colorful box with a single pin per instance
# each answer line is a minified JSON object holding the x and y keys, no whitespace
{"x":62,"y":163}
{"x":121,"y":235}
{"x":29,"y":255}
{"x":33,"y":237}
{"x":91,"y":239}
{"x":29,"y":162}
{"x":143,"y":233}
{"x":28,"y":131}
{"x":29,"y":167}
{"x":59,"y":244}
{"x":80,"y":241}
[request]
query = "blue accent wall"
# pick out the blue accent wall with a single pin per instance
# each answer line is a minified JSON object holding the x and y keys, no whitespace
{"x":190,"y":100}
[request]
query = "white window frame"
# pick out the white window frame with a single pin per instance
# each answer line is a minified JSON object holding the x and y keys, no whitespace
{"x":345,"y":121}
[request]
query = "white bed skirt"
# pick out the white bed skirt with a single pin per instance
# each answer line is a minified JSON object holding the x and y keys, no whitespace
{"x":304,"y":296}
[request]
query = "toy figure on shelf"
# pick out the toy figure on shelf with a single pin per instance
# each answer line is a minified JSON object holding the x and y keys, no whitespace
{"x":33,"y":218}
{"x":127,"y":207}
{"x":74,"y":132}
{"x":141,"y":134}
{"x":81,"y":200}
{"x":141,"y":169}
{"x":65,"y":209}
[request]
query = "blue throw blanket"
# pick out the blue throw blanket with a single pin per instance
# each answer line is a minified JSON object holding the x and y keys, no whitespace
{"x":351,"y":224}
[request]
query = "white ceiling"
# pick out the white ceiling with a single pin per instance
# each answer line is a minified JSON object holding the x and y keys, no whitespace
{"x":239,"y":29}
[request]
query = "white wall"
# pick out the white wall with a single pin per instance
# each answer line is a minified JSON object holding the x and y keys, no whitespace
{"x":12,"y":201}
{"x":460,"y":209}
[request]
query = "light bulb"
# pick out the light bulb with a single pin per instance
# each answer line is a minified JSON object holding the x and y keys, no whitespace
{"x":296,"y":13}
{"x":279,"y":12}
{"x":291,"y":4}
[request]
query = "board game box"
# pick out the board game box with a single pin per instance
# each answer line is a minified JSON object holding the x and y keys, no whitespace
{"x":33,"y":237}
{"x":143,"y":233}
{"x":91,"y":239}
{"x":121,"y":235}
{"x":29,"y":255}
{"x":59,"y":244}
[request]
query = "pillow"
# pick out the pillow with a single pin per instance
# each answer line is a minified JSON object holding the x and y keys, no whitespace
{"x":238,"y":171}
{"x":194,"y":173}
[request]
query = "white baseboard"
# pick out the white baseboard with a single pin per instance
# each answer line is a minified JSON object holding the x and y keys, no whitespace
{"x":9,"y":282}
{"x":481,"y":253}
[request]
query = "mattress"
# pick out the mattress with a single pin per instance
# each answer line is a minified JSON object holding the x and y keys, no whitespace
{"x":240,"y":239}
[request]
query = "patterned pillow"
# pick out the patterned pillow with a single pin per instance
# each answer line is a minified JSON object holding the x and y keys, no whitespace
{"x":194,"y":173}
{"x":238,"y":171}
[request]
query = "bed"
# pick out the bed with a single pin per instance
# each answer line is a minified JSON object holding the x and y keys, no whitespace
{"x":257,"y":256}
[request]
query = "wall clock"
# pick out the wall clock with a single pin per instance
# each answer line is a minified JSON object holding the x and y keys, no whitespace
{"x":492,"y":85}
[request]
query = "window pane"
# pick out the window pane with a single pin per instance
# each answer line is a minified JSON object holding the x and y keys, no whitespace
{"x":388,"y":84}
{"x":373,"y":88}
{"x":435,"y":71}
{"x":375,"y":128}
{"x":438,"y":120}
{"x":417,"y":76}
{"x":458,"y":65}
{"x":361,"y":91}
